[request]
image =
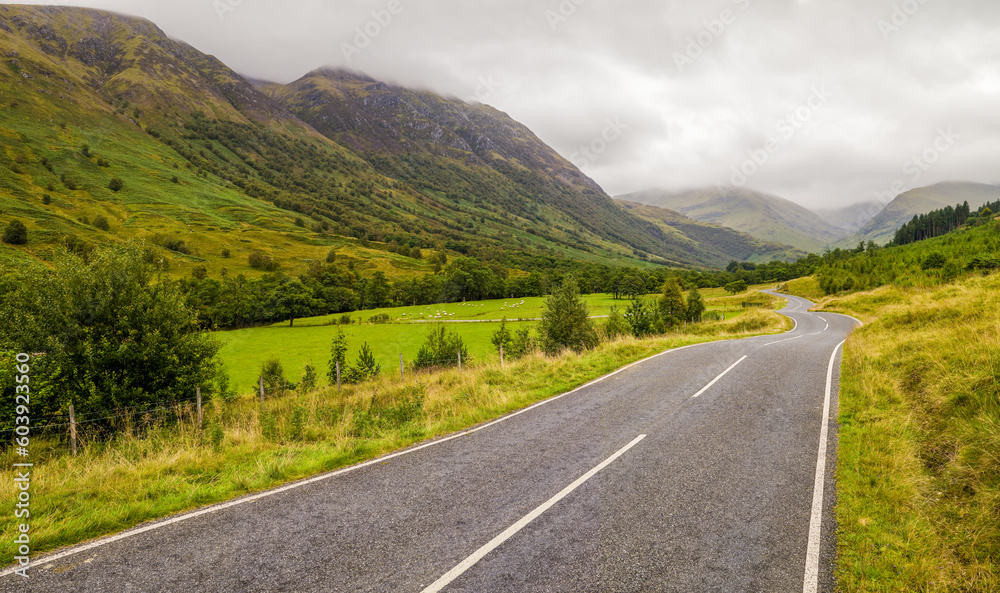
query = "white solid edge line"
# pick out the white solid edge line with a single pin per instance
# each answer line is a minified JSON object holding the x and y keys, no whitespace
{"x":811,"y":582}
{"x":716,"y":380}
{"x":46,"y":560}
{"x":494,"y":543}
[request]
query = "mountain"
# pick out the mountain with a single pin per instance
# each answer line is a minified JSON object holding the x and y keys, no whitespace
{"x":470,"y":154}
{"x":766,"y":217}
{"x":850,"y":219}
{"x":711,"y":245}
{"x":905,"y":206}
{"x":210,"y":167}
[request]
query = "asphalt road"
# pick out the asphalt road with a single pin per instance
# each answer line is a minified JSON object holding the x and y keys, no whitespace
{"x":629,"y":484}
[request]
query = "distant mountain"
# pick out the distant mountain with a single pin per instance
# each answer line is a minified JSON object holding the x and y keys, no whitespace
{"x":214,"y":166}
{"x":711,"y":245}
{"x":765,"y":217}
{"x":850,"y":219}
{"x":922,"y":200}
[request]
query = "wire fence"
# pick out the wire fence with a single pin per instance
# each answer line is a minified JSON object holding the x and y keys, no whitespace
{"x":63,"y":430}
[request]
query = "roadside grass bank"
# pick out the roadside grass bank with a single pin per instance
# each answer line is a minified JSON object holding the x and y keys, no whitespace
{"x":918,"y":473}
{"x":164,"y":468}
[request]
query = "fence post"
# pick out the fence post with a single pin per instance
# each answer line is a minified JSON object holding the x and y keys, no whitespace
{"x":460,"y":360}
{"x":261,"y":392}
{"x":402,"y":377}
{"x":72,"y":430}
{"x":501,"y":355}
{"x":338,"y":376}
{"x":200,"y":417}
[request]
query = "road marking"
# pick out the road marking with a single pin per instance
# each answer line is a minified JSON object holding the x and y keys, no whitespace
{"x":45,"y":561}
{"x":811,"y":583}
{"x":716,"y":380}
{"x":494,"y":543}
{"x":786,"y":340}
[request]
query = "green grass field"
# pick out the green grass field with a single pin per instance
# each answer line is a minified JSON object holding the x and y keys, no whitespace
{"x":308,"y":341}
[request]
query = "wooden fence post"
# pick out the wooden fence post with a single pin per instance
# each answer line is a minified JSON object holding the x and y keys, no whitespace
{"x":262,"y":392}
{"x":460,"y":360}
{"x":200,"y":417}
{"x":72,"y":430}
{"x":338,"y":376}
{"x":401,"y":376}
{"x":501,"y":356}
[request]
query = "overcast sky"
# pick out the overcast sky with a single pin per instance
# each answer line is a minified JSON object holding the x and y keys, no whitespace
{"x":823,"y":102}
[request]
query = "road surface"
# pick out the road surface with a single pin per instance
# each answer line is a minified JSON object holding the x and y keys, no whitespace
{"x":695,"y":470}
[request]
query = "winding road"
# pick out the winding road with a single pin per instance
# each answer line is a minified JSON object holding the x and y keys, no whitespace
{"x":705,"y":468}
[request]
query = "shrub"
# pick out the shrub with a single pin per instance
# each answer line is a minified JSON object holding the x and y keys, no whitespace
{"x":308,"y":382}
{"x":116,"y":184}
{"x":274,"y":376}
{"x":640,"y":318}
{"x":102,"y":223}
{"x":338,"y":354}
{"x":695,"y":306}
{"x":933,"y":261}
{"x":15,"y":233}
{"x":736,"y":287}
{"x":46,"y":199}
{"x":261,"y":261}
{"x":365,"y":368}
{"x":616,"y":325}
{"x":440,"y":348}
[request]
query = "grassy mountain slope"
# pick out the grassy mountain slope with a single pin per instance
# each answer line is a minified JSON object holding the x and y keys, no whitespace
{"x":901,"y":210}
{"x":766,"y":217}
{"x":709,"y":244}
{"x":472,"y":154}
{"x":210,"y":161}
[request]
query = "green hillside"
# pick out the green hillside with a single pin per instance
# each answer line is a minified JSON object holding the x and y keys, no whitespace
{"x":901,"y":210}
{"x":711,"y":245}
{"x":765,"y":217}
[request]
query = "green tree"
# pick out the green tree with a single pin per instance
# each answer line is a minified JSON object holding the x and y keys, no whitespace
{"x":565,"y":322}
{"x":640,"y":317}
{"x":338,"y":354}
{"x":15,"y":233}
{"x":695,"y":306}
{"x":115,"y":334}
{"x":737,"y":287}
{"x":292,"y":299}
{"x":116,"y":184}
{"x":673,"y":309}
{"x":502,"y":337}
{"x":364,"y":368}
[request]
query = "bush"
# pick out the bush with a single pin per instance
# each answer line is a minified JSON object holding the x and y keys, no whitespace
{"x":641,"y":318}
{"x":616,"y":325}
{"x":934,"y":261}
{"x":15,"y":233}
{"x":380,"y":319}
{"x":440,"y":349}
{"x":46,"y":199}
{"x":345,"y":319}
{"x":308,"y":382}
{"x":274,"y":376}
{"x":260,"y":261}
{"x":88,"y":317}
{"x":102,"y":223}
{"x":116,"y":184}
{"x":695,"y":306}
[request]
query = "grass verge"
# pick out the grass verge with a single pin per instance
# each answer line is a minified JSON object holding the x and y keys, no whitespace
{"x":918,"y":474}
{"x":114,"y":485}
